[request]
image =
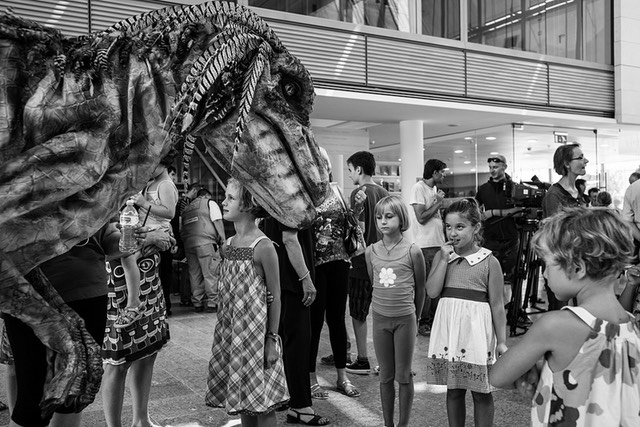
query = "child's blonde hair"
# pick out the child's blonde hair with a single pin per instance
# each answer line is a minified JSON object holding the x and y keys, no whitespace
{"x":397,"y":206}
{"x":597,"y":237}
{"x":247,"y":202}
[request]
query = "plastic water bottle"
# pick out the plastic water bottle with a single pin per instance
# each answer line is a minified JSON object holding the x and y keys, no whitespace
{"x":325,"y":234}
{"x":128,"y":221}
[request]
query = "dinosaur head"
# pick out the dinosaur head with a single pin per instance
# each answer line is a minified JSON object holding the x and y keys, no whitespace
{"x":249,"y":100}
{"x":275,"y":156}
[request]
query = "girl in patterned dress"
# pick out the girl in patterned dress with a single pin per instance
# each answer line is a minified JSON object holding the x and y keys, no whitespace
{"x":590,"y":374}
{"x":469,"y":327}
{"x":397,"y":271}
{"x":246,"y":373}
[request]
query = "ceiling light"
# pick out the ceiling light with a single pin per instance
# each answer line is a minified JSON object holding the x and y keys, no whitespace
{"x":446,"y":169}
{"x":490,"y":138}
{"x":399,"y":160}
{"x":472,"y":170}
{"x":532,"y":141}
{"x":458,"y":151}
{"x":493,"y":153}
{"x":467,"y":162}
{"x":468,"y":138}
{"x":373,"y":142}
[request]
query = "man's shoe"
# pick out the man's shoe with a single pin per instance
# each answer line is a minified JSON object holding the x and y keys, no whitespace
{"x":328,"y":360}
{"x":359,"y":367}
{"x":212,"y":309}
{"x":199,"y":309}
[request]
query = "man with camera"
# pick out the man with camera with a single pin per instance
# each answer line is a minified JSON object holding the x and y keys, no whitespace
{"x":501,"y":235}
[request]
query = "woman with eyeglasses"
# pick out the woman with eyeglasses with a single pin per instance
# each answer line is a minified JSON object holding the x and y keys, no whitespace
{"x":568,"y":161}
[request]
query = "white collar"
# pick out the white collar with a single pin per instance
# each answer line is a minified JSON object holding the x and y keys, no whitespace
{"x":473,"y":258}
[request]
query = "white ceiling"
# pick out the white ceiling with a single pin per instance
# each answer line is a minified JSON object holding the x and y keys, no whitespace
{"x":446,"y":124}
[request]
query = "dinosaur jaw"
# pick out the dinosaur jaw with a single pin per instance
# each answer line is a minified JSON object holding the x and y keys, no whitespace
{"x":282,"y":168}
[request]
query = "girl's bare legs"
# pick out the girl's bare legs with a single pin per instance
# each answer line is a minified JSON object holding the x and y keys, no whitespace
{"x":387,"y":398}
{"x":113,"y":383}
{"x":12,"y":387}
{"x":456,"y":410}
{"x":248,"y":421}
{"x":267,"y":420}
{"x":140,"y":383}
{"x":405,"y":402}
{"x":132,"y":279}
{"x":482,"y":409}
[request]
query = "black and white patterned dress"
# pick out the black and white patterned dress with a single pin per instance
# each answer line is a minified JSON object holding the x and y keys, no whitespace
{"x":147,"y":335}
{"x":237,"y":379}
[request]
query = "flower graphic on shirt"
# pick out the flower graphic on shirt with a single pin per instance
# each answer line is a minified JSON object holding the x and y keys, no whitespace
{"x":387,"y":277}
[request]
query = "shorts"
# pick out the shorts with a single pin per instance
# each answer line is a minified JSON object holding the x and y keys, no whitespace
{"x":360,"y":292}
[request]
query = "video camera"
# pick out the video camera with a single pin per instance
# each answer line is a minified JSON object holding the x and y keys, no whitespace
{"x":527,"y":196}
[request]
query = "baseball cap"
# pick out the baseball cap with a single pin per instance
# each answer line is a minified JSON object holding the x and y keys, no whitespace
{"x":497,"y":158}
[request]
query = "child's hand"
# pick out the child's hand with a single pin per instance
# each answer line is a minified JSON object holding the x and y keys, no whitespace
{"x":501,"y":349}
{"x":139,"y":200}
{"x":269,"y":298}
{"x":446,"y":250}
{"x":527,"y":383}
{"x":271,"y":355}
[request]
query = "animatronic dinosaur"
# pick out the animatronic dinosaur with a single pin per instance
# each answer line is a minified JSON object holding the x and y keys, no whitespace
{"x":84,"y":121}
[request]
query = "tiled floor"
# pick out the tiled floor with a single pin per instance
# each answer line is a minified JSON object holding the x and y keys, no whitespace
{"x":179,"y":381}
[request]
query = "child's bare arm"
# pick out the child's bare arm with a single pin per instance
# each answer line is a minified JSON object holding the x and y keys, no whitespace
{"x":420,"y":278}
{"x":496,"y":301}
{"x":435,"y":281}
{"x":367,"y":259}
{"x":267,"y":259}
{"x":167,"y":207}
{"x":630,"y":292}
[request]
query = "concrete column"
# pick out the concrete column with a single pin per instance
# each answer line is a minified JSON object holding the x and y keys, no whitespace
{"x":337,"y":168}
{"x":411,"y":153}
{"x":626,"y":43}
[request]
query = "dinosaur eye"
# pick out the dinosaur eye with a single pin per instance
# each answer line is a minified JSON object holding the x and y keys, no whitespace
{"x":289,"y":89}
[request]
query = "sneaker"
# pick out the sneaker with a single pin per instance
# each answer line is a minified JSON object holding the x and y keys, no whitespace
{"x":359,"y":367}
{"x":330,"y":361}
{"x":198,"y":309}
{"x":212,"y":309}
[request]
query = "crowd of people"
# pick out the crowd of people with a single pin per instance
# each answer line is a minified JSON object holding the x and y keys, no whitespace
{"x":273,"y":288}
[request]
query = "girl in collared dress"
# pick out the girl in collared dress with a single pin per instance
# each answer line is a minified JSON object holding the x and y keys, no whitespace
{"x":469,"y":328}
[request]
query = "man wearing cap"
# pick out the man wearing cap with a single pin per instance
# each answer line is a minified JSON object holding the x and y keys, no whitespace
{"x":500,"y":234}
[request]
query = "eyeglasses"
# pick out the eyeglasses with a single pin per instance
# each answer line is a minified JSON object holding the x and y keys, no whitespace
{"x":494,"y":159}
{"x":578,"y":158}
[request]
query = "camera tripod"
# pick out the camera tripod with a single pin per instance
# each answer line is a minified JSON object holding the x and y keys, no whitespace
{"x":527,"y":267}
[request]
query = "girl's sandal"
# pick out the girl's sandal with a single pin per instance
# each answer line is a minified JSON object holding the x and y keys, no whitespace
{"x":318,"y":392}
{"x":128,"y":316}
{"x":347,"y":388}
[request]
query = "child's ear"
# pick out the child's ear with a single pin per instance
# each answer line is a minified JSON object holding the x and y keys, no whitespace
{"x":579,"y":269}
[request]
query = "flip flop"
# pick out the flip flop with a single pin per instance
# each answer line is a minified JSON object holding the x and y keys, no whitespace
{"x":347,"y":388}
{"x":318,"y":392}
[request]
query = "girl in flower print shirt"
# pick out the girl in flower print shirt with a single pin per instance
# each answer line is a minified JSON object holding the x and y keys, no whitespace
{"x":397,"y":270}
{"x":469,"y":327}
{"x":590,"y":354}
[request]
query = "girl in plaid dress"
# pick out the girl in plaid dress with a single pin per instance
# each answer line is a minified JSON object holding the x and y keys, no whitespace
{"x":246,"y":373}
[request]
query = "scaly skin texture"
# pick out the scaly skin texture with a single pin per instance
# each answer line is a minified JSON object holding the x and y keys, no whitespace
{"x":84,"y":121}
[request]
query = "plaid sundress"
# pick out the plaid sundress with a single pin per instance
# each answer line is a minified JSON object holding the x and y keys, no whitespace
{"x":237,"y":379}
